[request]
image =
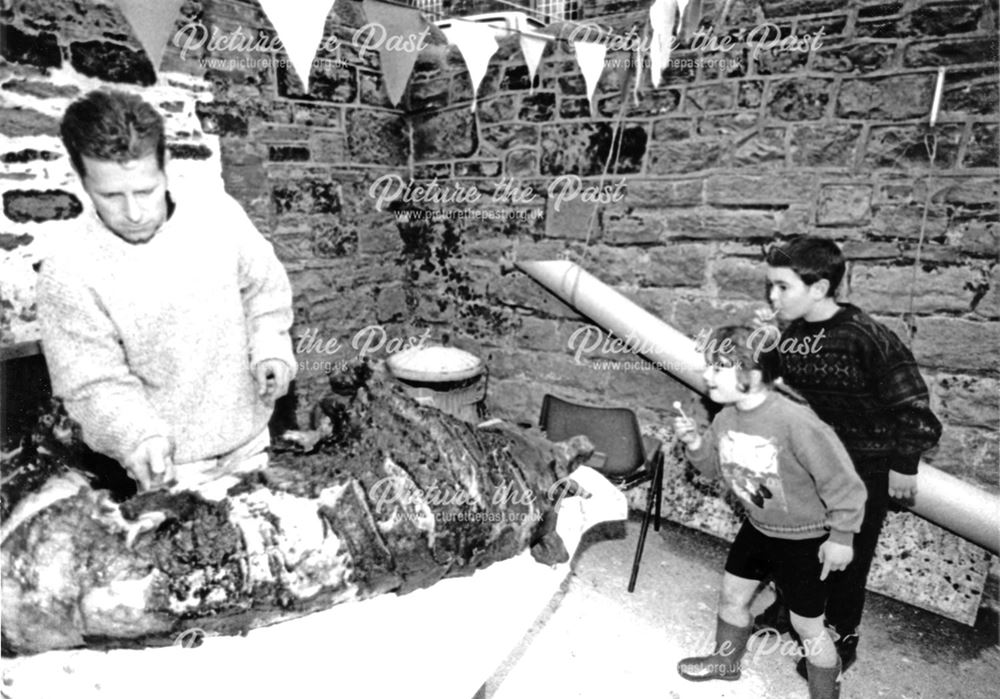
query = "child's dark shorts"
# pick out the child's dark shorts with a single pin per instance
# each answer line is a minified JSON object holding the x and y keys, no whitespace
{"x":792,"y":563}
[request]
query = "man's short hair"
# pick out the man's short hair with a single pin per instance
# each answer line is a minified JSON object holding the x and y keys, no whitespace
{"x":811,"y":258}
{"x":112,"y":125}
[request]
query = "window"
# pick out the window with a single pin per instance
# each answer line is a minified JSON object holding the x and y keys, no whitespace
{"x":433,"y":9}
{"x":556,"y":10}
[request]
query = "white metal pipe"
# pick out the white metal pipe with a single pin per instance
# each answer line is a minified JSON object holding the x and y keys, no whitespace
{"x":949,"y":502}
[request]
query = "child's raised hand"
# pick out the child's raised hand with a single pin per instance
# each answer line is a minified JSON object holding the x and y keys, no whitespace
{"x":685,"y":428}
{"x":834,"y":556}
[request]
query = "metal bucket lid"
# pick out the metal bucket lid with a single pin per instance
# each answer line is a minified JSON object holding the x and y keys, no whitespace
{"x":434,"y":364}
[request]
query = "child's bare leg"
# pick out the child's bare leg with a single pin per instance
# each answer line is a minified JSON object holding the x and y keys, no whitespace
{"x":822,"y":661}
{"x":731,"y":634}
{"x":735,"y":598}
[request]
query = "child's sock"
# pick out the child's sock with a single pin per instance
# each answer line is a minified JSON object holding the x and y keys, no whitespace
{"x":724,"y":663}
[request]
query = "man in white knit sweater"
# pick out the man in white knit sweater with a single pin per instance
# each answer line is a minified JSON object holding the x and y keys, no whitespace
{"x":165,"y":319}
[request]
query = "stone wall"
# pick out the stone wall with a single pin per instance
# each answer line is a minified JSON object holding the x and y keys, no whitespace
{"x":738,"y":148}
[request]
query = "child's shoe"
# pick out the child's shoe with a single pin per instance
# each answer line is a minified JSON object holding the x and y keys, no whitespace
{"x":724,"y":662}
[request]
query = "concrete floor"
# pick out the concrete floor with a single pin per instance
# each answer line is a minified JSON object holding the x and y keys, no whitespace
{"x":596,"y":640}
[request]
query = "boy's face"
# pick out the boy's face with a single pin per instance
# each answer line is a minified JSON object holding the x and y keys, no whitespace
{"x":722,"y":382}
{"x":130,"y":197}
{"x":790,"y":297}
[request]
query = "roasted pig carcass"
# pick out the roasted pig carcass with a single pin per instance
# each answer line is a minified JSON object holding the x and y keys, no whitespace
{"x":387,"y":495}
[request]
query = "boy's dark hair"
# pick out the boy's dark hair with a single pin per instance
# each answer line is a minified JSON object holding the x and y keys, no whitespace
{"x":811,"y":258}
{"x":743,"y":347}
{"x":112,"y":125}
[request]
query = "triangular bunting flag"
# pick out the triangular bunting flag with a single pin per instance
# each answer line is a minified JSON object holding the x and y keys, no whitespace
{"x":590,"y":57}
{"x":532,"y":47}
{"x":300,"y":27}
{"x":662,"y":16}
{"x":477,"y":44}
{"x":153,"y":23}
{"x":397,"y":57}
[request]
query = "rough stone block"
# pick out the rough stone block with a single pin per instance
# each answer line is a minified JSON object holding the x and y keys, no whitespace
{"x":538,"y":107}
{"x":680,"y":157}
{"x":328,"y":146}
{"x":710,"y":98}
{"x":887,"y":289}
{"x":830,"y":145}
{"x":40,"y":50}
{"x":503,"y":137}
{"x":328,"y":81}
{"x":522,"y":162}
{"x":904,"y":147}
{"x":18,"y":122}
{"x":111,"y":62}
{"x":974,"y":191}
{"x":450,"y":134}
{"x":898,"y":97}
{"x":904,"y":221}
{"x":979,"y":97}
{"x":859,"y":57}
{"x":789,"y":8}
{"x":40,"y":89}
{"x":222,"y":118}
{"x":27,"y":155}
{"x":737,"y":278}
{"x":954,"y":51}
{"x":676,"y":265}
{"x":780,"y":188}
{"x":804,"y":99}
{"x":24,"y":205}
{"x":955,"y":344}
{"x":967,"y":400}
{"x":543,"y":335}
{"x":843,"y":205}
{"x":947,"y":18}
{"x":654,"y":193}
{"x":519,"y":290}
{"x":377,"y":137}
{"x":307,"y":196}
{"x":426,"y":95}
{"x":189,"y":151}
{"x":582,"y":149}
{"x":971,"y":453}
{"x":982,"y":147}
{"x":652,"y":103}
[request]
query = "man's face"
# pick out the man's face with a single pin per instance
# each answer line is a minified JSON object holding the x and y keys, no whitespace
{"x":790,"y":297}
{"x":130,"y":197}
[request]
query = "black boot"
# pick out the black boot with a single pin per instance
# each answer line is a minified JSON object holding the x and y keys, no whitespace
{"x":824,"y":682}
{"x":847,"y":651}
{"x":724,"y":662}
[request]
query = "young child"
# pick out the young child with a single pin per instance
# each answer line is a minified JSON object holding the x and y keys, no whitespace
{"x":803,"y":501}
{"x":862,"y":381}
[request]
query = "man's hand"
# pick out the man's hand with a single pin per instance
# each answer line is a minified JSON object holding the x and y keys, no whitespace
{"x":902,"y":487}
{"x":152,"y":463}
{"x":834,"y":556}
{"x":272,"y":377}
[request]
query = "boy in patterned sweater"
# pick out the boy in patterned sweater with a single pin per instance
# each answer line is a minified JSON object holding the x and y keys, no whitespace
{"x":863,"y":381}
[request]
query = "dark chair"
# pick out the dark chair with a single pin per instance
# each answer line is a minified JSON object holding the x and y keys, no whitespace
{"x":622,"y":454}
